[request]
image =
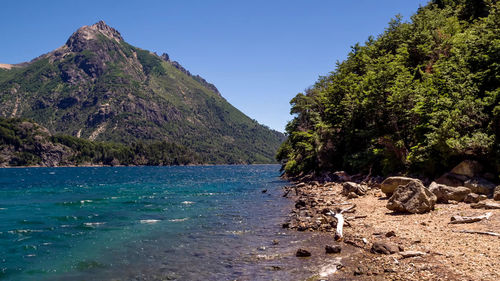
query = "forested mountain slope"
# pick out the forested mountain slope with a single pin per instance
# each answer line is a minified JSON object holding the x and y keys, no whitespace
{"x":98,"y":87}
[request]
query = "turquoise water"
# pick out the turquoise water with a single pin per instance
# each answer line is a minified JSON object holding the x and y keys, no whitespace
{"x":141,"y":223}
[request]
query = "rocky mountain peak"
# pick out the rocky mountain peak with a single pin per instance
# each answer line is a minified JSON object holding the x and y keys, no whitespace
{"x":81,"y":38}
{"x":108,"y":31}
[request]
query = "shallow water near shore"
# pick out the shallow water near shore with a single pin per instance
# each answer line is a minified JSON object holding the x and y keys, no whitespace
{"x":148,"y":223}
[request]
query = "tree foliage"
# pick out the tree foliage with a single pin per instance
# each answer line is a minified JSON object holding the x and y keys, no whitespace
{"x":418,"y":99}
{"x":24,"y":143}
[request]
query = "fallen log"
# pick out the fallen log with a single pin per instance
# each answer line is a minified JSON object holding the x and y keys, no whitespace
{"x":479,"y":232}
{"x":485,"y":205}
{"x":460,"y":219}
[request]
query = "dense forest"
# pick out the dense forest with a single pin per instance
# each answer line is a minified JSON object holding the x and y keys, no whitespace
{"x":24,"y":143}
{"x":418,"y":99}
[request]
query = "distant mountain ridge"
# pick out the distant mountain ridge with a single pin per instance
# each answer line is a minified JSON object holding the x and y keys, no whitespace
{"x":98,"y":87}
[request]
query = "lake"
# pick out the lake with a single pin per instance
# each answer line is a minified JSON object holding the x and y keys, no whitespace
{"x":147,"y":223}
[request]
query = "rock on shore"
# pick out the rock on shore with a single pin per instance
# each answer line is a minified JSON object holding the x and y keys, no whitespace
{"x":419,"y":232}
{"x":412,"y":198}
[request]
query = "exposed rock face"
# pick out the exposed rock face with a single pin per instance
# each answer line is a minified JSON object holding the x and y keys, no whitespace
{"x":467,"y":168}
{"x":480,"y":186}
{"x":390,"y":184}
{"x":496,"y":194}
{"x":87,"y":34}
{"x":352,"y":187}
{"x":445,"y":193}
{"x":38,"y":144}
{"x":412,"y":198}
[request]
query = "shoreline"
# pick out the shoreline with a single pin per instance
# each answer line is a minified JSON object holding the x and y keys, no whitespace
{"x":441,"y":251}
{"x":99,"y":165}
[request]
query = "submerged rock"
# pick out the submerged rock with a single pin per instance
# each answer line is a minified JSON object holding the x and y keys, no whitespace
{"x":412,"y":198}
{"x":335,"y":249}
{"x":390,"y":184}
{"x":302,"y":253}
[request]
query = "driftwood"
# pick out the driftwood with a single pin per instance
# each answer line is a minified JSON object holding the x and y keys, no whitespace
{"x":485,"y":205}
{"x":479,"y":232}
{"x":356,"y":217}
{"x":340,"y":221}
{"x":348,"y":210}
{"x":286,"y":193}
{"x":340,"y":226}
{"x":342,"y":204}
{"x":410,"y":254}
{"x":460,"y":219}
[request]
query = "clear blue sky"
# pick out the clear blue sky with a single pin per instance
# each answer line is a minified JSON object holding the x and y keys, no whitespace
{"x":259,"y":53}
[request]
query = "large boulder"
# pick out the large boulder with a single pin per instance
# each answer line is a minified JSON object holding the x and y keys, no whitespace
{"x":474,"y":198}
{"x":445,"y":193}
{"x":412,"y":198}
{"x":496,"y":194}
{"x":451,"y":179}
{"x":467,"y":168}
{"x":391,"y":183}
{"x":480,"y":186}
{"x":348,"y":187}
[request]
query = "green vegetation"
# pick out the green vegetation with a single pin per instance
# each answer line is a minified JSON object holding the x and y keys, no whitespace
{"x":108,"y":153}
{"x":24,"y":143}
{"x":150,"y":63}
{"x":131,"y":101}
{"x":418,"y":99}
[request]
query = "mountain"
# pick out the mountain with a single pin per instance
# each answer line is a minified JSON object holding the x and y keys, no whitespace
{"x":99,"y":87}
{"x":418,"y":99}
